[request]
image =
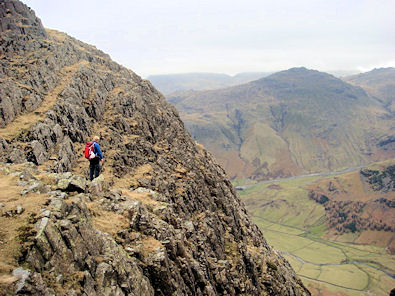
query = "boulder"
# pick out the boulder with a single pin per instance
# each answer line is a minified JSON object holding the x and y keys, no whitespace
{"x":72,"y":184}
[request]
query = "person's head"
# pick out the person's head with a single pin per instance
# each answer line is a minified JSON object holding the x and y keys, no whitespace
{"x":96,"y":138}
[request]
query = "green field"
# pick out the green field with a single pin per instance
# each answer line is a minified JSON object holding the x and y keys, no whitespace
{"x":294,"y":225}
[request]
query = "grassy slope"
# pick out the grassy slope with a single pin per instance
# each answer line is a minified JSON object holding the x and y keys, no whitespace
{"x":295,"y":225}
{"x":293,"y":122}
{"x":379,"y":83}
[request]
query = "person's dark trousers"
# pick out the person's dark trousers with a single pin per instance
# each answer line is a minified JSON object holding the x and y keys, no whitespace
{"x":94,"y":168}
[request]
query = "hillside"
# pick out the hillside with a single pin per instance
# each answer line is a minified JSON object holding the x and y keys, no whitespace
{"x":290,"y":123}
{"x":162,"y":219}
{"x":170,"y":83}
{"x":379,"y":83}
{"x":335,"y":230}
{"x":360,"y":204}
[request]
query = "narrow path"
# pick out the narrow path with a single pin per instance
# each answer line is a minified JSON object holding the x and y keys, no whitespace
{"x":332,"y":284}
{"x":25,"y":120}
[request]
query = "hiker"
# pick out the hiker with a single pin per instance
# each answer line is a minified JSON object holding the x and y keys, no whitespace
{"x":93,"y":153}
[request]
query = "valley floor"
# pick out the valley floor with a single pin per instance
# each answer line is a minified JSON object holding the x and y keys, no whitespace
{"x":328,"y":267}
{"x":296,"y":226}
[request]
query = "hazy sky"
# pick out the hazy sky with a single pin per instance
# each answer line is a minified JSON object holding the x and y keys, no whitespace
{"x":174,"y":36}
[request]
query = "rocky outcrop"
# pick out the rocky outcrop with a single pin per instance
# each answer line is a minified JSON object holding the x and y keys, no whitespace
{"x":170,"y":221}
{"x":76,"y":258}
{"x":17,"y":17}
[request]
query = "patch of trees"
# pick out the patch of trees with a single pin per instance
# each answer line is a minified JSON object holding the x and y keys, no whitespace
{"x":356,"y":216}
{"x":380,"y":180}
{"x":320,"y":198}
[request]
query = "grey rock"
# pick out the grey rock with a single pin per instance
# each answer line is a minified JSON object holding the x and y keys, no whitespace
{"x":22,"y":275}
{"x":35,"y":187}
{"x":26,"y":175}
{"x":45,"y":213}
{"x":16,"y":156}
{"x":74,"y":183}
{"x":19,"y":209}
{"x":22,"y":183}
{"x":97,"y":186}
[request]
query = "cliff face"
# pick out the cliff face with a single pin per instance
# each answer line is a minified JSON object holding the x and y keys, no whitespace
{"x":163,"y":219}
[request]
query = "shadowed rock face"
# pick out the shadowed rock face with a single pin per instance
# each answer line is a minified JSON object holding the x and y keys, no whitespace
{"x":183,"y":232}
{"x":17,"y":17}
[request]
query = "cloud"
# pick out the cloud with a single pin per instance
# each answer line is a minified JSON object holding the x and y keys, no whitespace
{"x":230,"y":36}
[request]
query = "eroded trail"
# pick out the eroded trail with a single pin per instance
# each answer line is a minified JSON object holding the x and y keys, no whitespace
{"x":25,"y":120}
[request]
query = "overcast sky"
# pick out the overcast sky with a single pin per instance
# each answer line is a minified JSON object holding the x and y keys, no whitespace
{"x":226,"y":36}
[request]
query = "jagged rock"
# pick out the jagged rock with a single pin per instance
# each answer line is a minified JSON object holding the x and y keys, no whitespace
{"x":185,"y":233}
{"x":35,"y":187}
{"x":16,"y":156}
{"x":13,"y":11}
{"x":22,"y":275}
{"x":73,"y":248}
{"x":27,"y":176}
{"x":75,"y":183}
{"x":97,"y":186}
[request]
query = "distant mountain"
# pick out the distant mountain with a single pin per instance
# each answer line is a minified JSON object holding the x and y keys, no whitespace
{"x":201,"y":81}
{"x":379,"y":83}
{"x":292,"y":122}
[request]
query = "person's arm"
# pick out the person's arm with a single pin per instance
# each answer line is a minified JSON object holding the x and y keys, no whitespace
{"x":98,"y":151}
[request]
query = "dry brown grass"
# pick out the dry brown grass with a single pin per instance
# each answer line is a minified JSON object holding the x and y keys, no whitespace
{"x":150,"y":245}
{"x":348,"y":187}
{"x":131,"y":179}
{"x":59,"y":36}
{"x":107,"y":221}
{"x":143,"y":197}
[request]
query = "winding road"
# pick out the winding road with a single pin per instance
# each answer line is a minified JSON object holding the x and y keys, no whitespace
{"x":324,"y":174}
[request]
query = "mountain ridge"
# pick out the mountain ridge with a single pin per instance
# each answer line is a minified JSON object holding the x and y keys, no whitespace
{"x":379,"y":83}
{"x":170,"y":83}
{"x":162,"y":219}
{"x":288,"y":109}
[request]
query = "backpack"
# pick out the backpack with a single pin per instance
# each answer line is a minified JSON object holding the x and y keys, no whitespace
{"x":89,"y":150}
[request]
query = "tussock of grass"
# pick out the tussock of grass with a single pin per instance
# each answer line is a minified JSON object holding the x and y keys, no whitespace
{"x":150,"y":245}
{"x":107,"y":221}
{"x":143,"y":197}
